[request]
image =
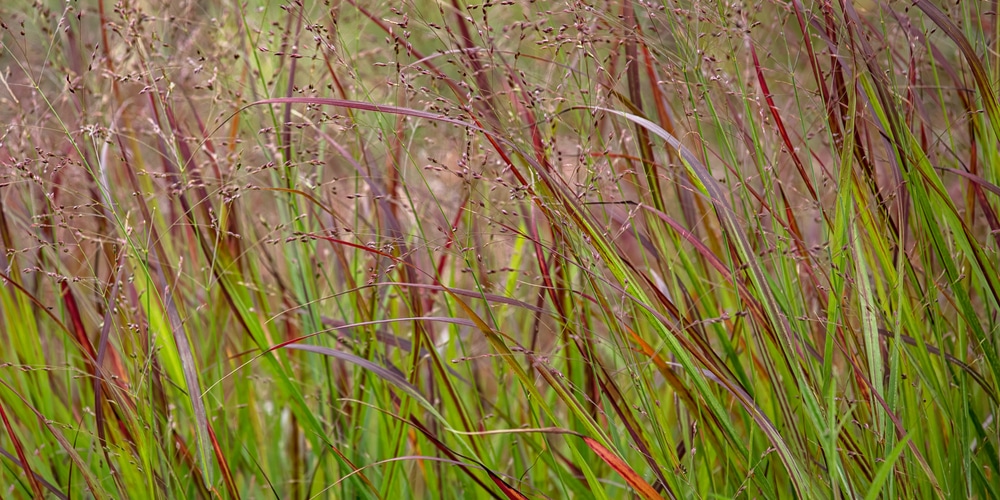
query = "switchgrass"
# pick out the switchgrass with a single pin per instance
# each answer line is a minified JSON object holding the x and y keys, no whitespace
{"x":517,"y":249}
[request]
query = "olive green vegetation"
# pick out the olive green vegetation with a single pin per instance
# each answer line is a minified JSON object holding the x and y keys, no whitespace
{"x":515,"y":249}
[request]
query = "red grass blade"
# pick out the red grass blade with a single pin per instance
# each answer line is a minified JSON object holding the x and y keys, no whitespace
{"x":511,"y":493}
{"x":36,"y":488}
{"x":631,"y":477}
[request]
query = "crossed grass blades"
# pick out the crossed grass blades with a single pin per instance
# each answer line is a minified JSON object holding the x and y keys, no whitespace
{"x":517,"y":249}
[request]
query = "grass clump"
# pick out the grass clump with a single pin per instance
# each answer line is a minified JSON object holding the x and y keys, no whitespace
{"x":515,"y":249}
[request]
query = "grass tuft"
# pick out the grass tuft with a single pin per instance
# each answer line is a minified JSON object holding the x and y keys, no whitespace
{"x":510,"y":249}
